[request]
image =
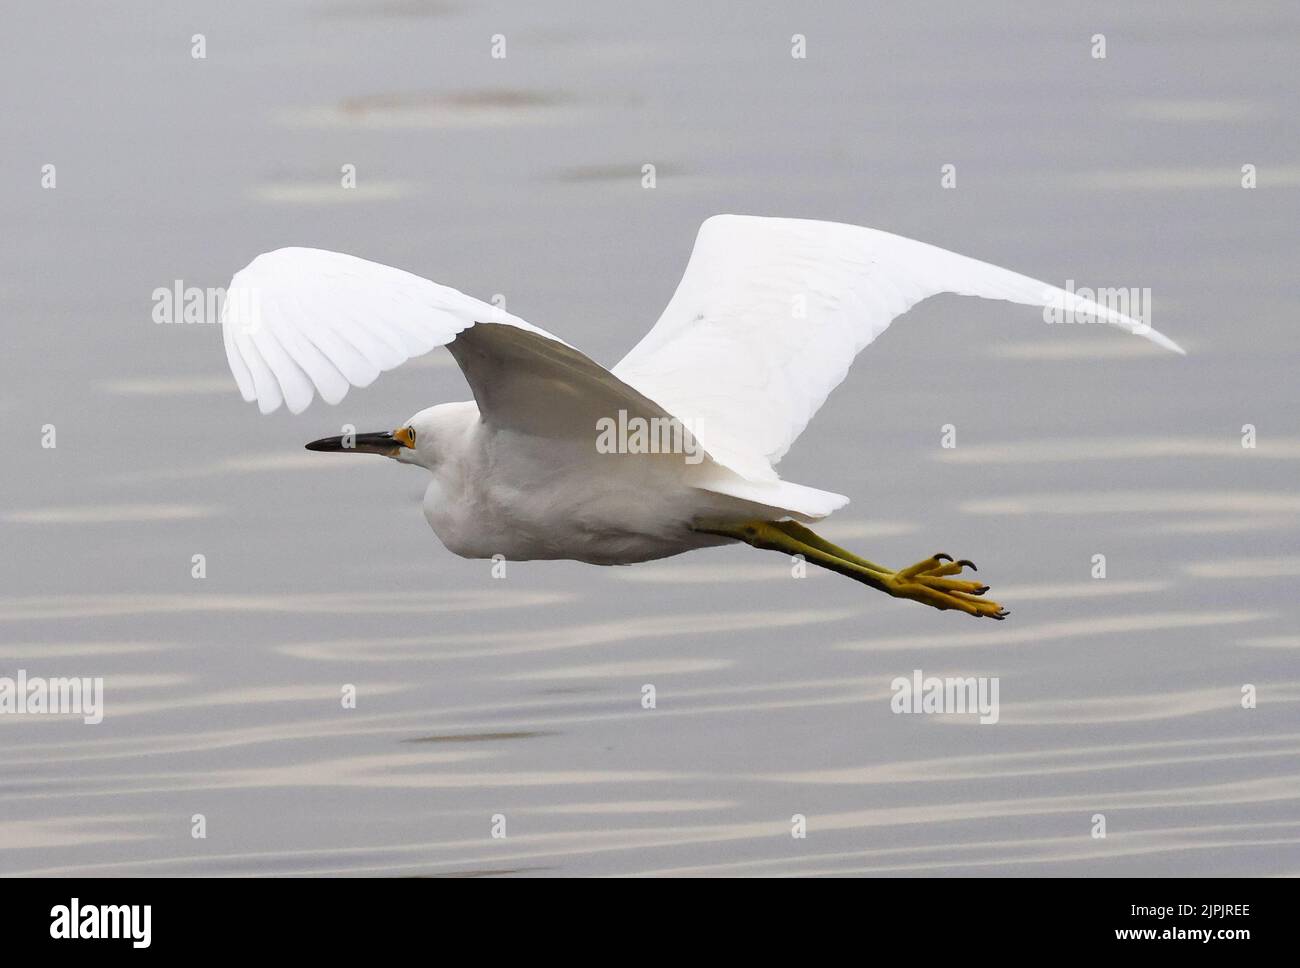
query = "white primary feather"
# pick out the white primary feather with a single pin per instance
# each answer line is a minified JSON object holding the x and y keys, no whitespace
{"x":301,"y":320}
{"x":765,"y":323}
{"x":771,"y":313}
{"x":297,"y":321}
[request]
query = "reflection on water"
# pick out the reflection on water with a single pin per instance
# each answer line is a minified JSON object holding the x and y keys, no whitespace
{"x":475,"y":737}
{"x":335,"y":603}
{"x":1139,"y":502}
{"x":457,"y":109}
{"x":109,"y":514}
{"x":1028,"y":634}
{"x":479,"y":645}
{"x":1137,"y":448}
{"x":327,"y":193}
{"x":1181,"y":179}
{"x":1288,"y":567}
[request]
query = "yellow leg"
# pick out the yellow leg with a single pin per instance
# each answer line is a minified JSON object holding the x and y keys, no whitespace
{"x":927,"y":581}
{"x":809,"y":537}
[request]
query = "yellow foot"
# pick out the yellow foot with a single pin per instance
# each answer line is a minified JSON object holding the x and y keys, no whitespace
{"x":928,"y":582}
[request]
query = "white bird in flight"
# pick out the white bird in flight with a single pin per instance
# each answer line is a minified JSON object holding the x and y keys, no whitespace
{"x":673,"y":449}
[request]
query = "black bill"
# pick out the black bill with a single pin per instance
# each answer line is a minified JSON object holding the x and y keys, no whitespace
{"x":379,"y":443}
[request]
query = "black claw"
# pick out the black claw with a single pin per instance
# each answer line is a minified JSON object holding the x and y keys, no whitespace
{"x":983,"y":589}
{"x":967,"y":563}
{"x":940,"y":556}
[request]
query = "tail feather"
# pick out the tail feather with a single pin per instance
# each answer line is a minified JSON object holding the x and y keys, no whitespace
{"x":786,"y":498}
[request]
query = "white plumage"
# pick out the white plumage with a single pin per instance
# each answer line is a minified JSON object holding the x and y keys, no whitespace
{"x":764,"y":324}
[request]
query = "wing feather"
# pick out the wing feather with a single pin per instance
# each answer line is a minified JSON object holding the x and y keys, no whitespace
{"x":297,"y":322}
{"x":770,"y":313}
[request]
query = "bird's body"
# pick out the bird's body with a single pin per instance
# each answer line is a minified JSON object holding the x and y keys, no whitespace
{"x":502,"y":492}
{"x":673,"y":449}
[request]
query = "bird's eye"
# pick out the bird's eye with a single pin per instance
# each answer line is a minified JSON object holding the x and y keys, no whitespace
{"x":411,"y":431}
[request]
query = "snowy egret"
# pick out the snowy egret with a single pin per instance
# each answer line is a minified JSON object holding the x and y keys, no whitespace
{"x":674,"y":448}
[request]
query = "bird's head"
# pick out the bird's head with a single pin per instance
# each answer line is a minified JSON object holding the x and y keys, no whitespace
{"x":420,"y":440}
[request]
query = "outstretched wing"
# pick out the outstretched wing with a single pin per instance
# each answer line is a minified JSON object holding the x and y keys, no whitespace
{"x":301,"y":321}
{"x":771,"y":312}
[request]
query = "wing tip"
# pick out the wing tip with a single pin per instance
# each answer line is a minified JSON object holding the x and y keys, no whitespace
{"x":298,"y":406}
{"x":1161,"y":340}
